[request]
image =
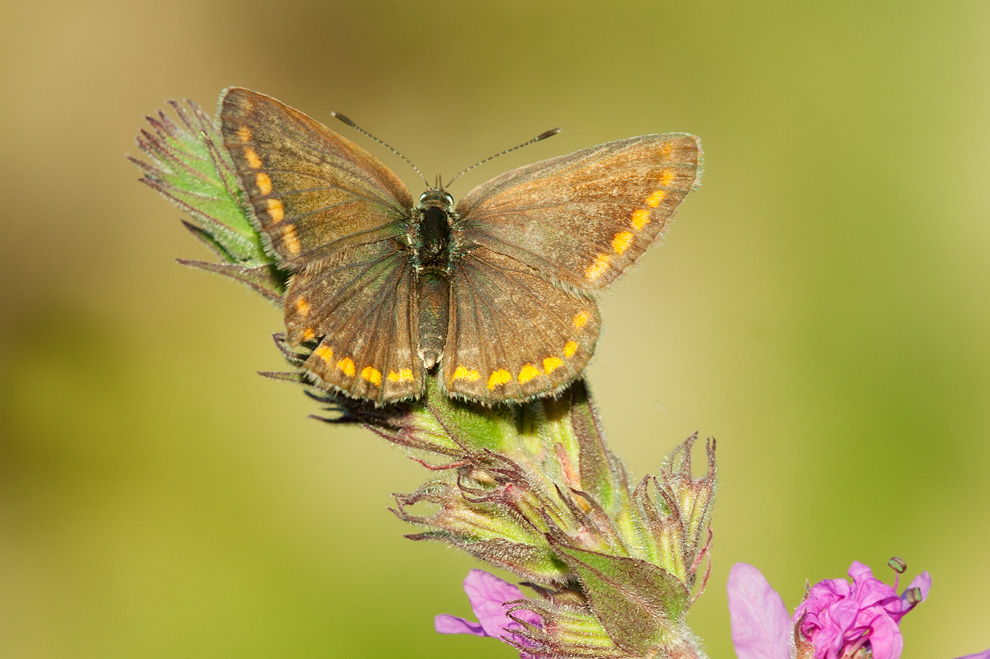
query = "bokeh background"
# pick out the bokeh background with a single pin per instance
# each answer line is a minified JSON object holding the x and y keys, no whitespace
{"x":820,"y":306}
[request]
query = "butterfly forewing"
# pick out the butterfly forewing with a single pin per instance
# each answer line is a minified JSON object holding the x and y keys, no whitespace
{"x":337,"y":218}
{"x":583,"y":218}
{"x":513,"y":335}
{"x":315,"y":194}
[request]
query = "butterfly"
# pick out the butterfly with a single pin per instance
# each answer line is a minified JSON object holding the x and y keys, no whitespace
{"x":494,"y":294}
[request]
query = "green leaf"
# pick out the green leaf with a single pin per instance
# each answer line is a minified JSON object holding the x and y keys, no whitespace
{"x":637,"y":603}
{"x":188,"y":166}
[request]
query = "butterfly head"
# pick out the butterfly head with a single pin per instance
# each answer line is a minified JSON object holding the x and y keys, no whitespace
{"x":436,"y":198}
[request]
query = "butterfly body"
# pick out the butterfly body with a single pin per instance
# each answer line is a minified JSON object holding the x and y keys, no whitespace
{"x":495,"y":293}
{"x":432,"y":248}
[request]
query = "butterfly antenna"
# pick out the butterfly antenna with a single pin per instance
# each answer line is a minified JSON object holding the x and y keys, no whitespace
{"x":382,"y":142}
{"x":541,"y":136}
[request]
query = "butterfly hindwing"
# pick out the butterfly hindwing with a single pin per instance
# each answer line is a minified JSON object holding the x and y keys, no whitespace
{"x":513,"y":335}
{"x":314,"y":193}
{"x":583,"y":218}
{"x":364,"y":315}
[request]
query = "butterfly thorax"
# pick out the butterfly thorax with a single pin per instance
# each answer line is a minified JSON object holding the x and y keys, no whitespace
{"x":433,"y":228}
{"x":431,"y":245}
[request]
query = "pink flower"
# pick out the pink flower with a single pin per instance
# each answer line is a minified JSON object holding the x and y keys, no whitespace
{"x":489,"y":596}
{"x":835,"y":621}
{"x":839,"y":618}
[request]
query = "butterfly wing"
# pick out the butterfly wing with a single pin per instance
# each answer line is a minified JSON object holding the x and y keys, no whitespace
{"x":512,"y":334}
{"x":365,"y":311}
{"x":535,"y":242}
{"x":314,"y":193}
{"x":583,"y":218}
{"x":337,"y":218}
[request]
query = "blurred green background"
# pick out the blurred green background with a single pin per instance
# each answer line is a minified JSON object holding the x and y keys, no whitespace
{"x":820,"y":306}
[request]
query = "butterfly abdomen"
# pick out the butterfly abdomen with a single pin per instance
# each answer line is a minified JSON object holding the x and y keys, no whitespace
{"x":434,"y":313}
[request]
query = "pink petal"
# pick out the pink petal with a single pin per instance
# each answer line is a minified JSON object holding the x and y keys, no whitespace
{"x":979,"y":655}
{"x":860,"y":571}
{"x":761,"y":627}
{"x":886,"y":641}
{"x":448,"y":624}
{"x":487,"y":594}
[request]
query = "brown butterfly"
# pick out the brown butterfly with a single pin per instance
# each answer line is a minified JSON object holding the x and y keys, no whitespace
{"x":495,"y":292}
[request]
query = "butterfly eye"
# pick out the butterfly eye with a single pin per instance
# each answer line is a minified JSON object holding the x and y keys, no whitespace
{"x":436,"y":198}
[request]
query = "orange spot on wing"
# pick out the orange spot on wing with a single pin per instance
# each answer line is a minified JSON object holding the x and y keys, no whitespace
{"x":291,"y":240}
{"x":640,"y":218}
{"x":462,"y":373}
{"x":404,"y":375}
{"x":244,"y":134}
{"x":666,"y":177}
{"x":372,"y":375}
{"x":527,"y":373}
{"x":498,"y":378}
{"x":621,"y":241}
{"x":263,"y":182}
{"x":580,"y":319}
{"x":302,"y":306}
{"x":325,"y":353}
{"x":275,"y":210}
{"x":253,"y":161}
{"x":596,"y":269}
{"x":666,"y":150}
{"x":347,"y":366}
{"x":308,"y":334}
{"x":570,"y":348}
{"x":654,"y":199}
{"x":551,"y":364}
